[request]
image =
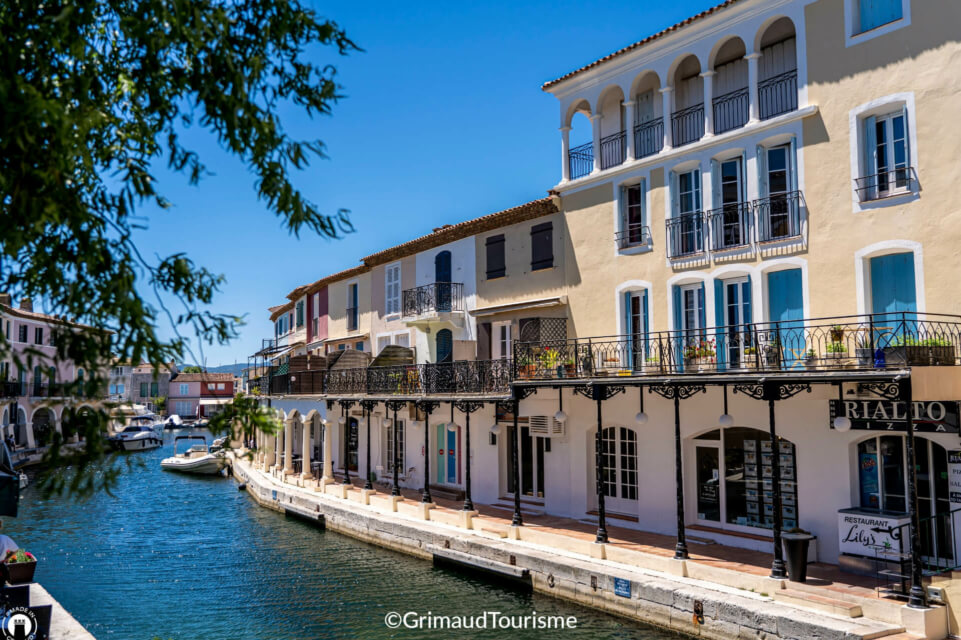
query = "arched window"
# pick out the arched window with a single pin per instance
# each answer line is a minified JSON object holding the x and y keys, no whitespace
{"x":445,"y":345}
{"x":619,"y":455}
{"x":735,"y":478}
{"x":442,"y":281}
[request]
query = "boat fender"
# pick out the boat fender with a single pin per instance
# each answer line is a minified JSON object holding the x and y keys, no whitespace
{"x":241,"y":486}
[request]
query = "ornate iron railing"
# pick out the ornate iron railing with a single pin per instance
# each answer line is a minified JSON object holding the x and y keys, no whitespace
{"x":685,"y":235}
{"x":648,"y":138}
{"x":580,"y":160}
{"x":731,"y":110}
{"x":440,"y":297}
{"x":777,"y":95}
{"x":779,"y":216}
{"x":731,"y":225}
{"x":869,"y":342}
{"x":613,"y":149}
{"x":634,"y":235}
{"x":687,"y":125}
{"x":10,"y":389}
{"x":890,"y":182}
{"x":347,"y":381}
{"x":458,"y":377}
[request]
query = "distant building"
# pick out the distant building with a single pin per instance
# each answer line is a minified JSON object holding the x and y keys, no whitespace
{"x":199,"y":394}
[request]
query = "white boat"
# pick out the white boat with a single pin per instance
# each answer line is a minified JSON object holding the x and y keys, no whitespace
{"x":143,"y":432}
{"x":24,"y":480}
{"x":197,"y":459}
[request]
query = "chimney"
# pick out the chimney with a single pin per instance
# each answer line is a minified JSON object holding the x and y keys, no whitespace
{"x":5,"y":299}
{"x":26,"y":304}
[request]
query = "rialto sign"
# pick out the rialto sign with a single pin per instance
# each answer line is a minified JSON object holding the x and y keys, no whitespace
{"x":890,"y":415}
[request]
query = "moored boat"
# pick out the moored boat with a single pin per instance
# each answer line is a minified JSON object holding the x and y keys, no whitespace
{"x":143,"y":433}
{"x":197,"y":459}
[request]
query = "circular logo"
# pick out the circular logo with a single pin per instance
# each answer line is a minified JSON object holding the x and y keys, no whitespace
{"x":19,"y":623}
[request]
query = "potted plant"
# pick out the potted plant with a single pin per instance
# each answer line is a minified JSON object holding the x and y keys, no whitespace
{"x":652,"y":363}
{"x":836,"y":354}
{"x":749,"y":359}
{"x":810,"y":359}
{"x":701,"y":354}
{"x":18,"y":566}
{"x":863,"y":352}
{"x":526,"y":367}
{"x":911,"y":350}
{"x":796,"y":542}
{"x":837,"y":333}
{"x":550,"y":361}
{"x":569,"y":368}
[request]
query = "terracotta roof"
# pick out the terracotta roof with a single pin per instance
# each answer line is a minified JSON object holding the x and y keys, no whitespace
{"x":36,"y":315}
{"x":641,"y":43}
{"x":275,"y":311}
{"x":449,"y":233}
{"x":336,"y":277}
{"x":204,"y":377}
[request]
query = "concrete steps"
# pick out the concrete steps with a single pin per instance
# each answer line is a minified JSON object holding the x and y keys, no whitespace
{"x":818,"y":602}
{"x":528,"y":508}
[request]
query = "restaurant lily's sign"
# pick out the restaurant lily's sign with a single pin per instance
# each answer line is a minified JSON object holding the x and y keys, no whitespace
{"x":890,"y":415}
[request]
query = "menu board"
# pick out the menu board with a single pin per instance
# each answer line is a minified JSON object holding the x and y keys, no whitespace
{"x":759,"y":483}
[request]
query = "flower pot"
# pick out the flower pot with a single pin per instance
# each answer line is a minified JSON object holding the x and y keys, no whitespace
{"x":19,"y":572}
{"x":796,"y":549}
{"x":865,"y":356}
{"x":919,"y":355}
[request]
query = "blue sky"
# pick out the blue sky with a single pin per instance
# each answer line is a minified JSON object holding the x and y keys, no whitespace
{"x":443,"y":120}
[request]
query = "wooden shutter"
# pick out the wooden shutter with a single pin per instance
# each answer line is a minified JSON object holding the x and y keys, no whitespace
{"x":496,"y":266}
{"x":542,"y":246}
{"x":484,"y":341}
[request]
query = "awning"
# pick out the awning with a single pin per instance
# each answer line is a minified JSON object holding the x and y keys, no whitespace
{"x":539,"y":303}
{"x":206,"y":402}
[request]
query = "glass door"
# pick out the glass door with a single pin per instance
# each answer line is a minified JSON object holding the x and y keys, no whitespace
{"x":734,"y":226}
{"x":737,"y":310}
{"x":707,"y":460}
{"x":779,"y":185}
{"x":532,"y":463}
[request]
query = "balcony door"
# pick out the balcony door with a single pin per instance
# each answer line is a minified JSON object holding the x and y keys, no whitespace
{"x":893,"y":293}
{"x":636,"y":328}
{"x":619,"y":454}
{"x":779,"y":219}
{"x":447,"y":462}
{"x":689,"y":212}
{"x":442,"y":278}
{"x":732,"y":304}
{"x":531,"y":460}
{"x":501,"y":341}
{"x":785,"y":338}
{"x":734,"y":225}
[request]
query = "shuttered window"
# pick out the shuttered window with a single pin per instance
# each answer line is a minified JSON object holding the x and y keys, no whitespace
{"x":542,"y":246}
{"x":300,"y":314}
{"x":392,"y":285}
{"x":496,"y":265}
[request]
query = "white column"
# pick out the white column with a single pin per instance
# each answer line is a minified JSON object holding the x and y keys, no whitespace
{"x":596,"y":130}
{"x":708,"y":77}
{"x":305,"y":455}
{"x":565,"y":154}
{"x":667,"y":106}
{"x":755,"y":109}
{"x":289,"y":446}
{"x":629,"y":129}
{"x":269,"y":447}
{"x":328,"y":457}
{"x":277,"y":447}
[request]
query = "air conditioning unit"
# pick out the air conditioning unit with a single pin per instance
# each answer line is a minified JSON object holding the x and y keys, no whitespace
{"x":546,"y":426}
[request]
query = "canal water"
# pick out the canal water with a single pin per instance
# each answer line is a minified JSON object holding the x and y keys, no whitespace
{"x":180,"y":557}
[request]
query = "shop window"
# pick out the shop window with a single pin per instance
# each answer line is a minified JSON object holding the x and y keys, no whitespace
{"x":744,"y":458}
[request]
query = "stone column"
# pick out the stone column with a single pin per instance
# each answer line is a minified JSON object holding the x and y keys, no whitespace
{"x":667,"y":106}
{"x":708,"y":77}
{"x":289,"y":446}
{"x":328,"y":457}
{"x":629,"y":129}
{"x":596,"y":130}
{"x":305,"y":464}
{"x":278,"y":439}
{"x":565,"y":154}
{"x":755,"y":107}
{"x":269,"y":450}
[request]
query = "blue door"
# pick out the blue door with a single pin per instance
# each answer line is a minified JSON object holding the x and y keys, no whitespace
{"x":445,"y":345}
{"x":786,"y":313}
{"x":442,"y":278}
{"x":893,"y":294}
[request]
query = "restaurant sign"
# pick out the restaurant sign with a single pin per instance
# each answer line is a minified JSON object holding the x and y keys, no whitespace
{"x":889,"y":415}
{"x":861,"y":533}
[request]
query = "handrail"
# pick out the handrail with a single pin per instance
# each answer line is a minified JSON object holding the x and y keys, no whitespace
{"x":935,"y":560}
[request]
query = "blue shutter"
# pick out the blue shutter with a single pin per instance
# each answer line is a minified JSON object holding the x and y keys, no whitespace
{"x":647,"y":328}
{"x":445,"y":345}
{"x":644,"y":213}
{"x":892,"y":283}
{"x":715,"y":184}
{"x":701,"y":311}
{"x":697,"y":189}
{"x":628,"y":329}
{"x":793,"y":172}
{"x":907,"y":136}
{"x":675,"y":196}
{"x":719,"y":322}
{"x":746,"y":294}
{"x":868,"y":157}
{"x":761,"y":171}
{"x":786,"y":308}
{"x":678,"y":337}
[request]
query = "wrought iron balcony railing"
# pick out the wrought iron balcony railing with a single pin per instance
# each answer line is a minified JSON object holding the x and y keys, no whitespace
{"x":777,"y":95}
{"x":731,"y":110}
{"x":731,"y":226}
{"x":648,"y":138}
{"x":779,"y":216}
{"x":635,"y":235}
{"x":687,"y":125}
{"x":890,"y":182}
{"x":440,"y":297}
{"x":613,"y":149}
{"x":580,"y":160}
{"x":869,"y":342}
{"x":685,"y":235}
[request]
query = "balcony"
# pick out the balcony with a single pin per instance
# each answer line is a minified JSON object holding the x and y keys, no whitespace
{"x":613,"y":150}
{"x":581,"y":160}
{"x":635,"y":235}
{"x":844,"y":343}
{"x":648,"y":138}
{"x":779,"y":217}
{"x":433,"y":299}
{"x":685,"y":235}
{"x":777,"y":95}
{"x":888,"y":183}
{"x":731,"y":226}
{"x":731,"y":110}
{"x":687,"y":125}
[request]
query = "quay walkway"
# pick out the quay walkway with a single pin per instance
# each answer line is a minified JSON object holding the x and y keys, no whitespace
{"x":634,"y":575}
